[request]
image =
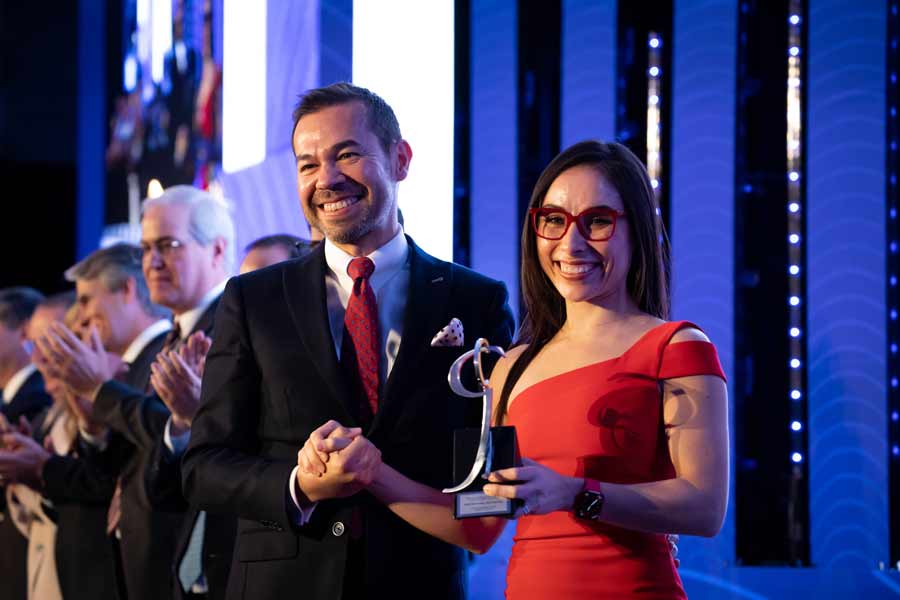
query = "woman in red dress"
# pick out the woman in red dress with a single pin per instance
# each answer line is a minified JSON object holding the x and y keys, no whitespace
{"x":621,"y":415}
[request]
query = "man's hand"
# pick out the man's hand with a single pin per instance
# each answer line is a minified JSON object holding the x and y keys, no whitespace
{"x":22,"y":460}
{"x":83,"y":366}
{"x":194,"y":352}
{"x":179,"y":387}
{"x":336,"y":462}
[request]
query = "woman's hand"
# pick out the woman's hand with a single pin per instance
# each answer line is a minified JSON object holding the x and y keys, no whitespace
{"x":541,"y":489}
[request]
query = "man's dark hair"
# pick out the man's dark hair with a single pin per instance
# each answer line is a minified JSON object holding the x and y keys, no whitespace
{"x":295,"y":246}
{"x":382,"y":120}
{"x":58,"y":300}
{"x":17,"y":304}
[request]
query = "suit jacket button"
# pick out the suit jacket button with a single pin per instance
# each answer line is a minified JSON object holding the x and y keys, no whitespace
{"x":337,"y":529}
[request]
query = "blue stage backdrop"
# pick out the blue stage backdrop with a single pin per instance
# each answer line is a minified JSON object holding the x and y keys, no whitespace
{"x":702,"y":206}
{"x":588,"y":82}
{"x":494,"y":211}
{"x":846,"y":283}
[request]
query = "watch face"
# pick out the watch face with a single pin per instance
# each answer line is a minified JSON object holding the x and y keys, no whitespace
{"x":589,"y":505}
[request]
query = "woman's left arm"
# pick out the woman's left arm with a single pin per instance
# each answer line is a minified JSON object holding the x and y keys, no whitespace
{"x":695,"y":411}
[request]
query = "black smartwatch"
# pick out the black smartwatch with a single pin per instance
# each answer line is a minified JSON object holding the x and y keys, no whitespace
{"x":589,"y":502}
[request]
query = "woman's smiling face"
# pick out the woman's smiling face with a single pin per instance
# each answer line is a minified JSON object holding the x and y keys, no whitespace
{"x":581,"y":269}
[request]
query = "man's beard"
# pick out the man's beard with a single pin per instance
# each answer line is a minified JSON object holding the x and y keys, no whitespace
{"x":350,"y":232}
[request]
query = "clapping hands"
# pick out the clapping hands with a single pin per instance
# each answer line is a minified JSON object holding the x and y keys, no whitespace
{"x":176,"y":377}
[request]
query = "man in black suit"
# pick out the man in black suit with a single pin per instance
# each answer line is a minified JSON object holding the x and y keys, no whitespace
{"x":114,"y":303}
{"x":22,"y":385}
{"x":23,"y":396}
{"x":326,"y":337}
{"x":187,"y":247}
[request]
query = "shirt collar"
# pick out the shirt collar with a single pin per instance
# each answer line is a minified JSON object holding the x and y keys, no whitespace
{"x":189,"y":318}
{"x":16,"y":382}
{"x":389,"y":260}
{"x":138,"y":344}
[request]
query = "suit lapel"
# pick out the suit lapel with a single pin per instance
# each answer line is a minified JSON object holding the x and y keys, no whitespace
{"x":207,"y":319}
{"x":426,"y":302}
{"x":304,"y":293}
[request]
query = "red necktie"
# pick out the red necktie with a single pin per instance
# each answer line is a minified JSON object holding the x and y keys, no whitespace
{"x":361,"y":322}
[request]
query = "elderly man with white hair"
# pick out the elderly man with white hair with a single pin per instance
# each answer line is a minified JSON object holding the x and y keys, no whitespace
{"x":187,"y":244}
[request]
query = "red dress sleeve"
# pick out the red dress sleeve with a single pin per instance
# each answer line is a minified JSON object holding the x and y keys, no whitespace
{"x":686,"y":359}
{"x":683,"y":359}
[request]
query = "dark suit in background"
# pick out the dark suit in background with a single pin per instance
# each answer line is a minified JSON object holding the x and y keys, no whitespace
{"x":81,"y":486}
{"x":30,"y":399}
{"x":273,"y":376}
{"x":155,"y":533}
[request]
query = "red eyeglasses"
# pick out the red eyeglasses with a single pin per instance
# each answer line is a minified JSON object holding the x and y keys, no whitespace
{"x":596,"y":224}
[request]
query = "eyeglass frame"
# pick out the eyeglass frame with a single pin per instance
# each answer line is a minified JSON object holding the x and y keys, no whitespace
{"x":570,"y":218}
{"x":164,"y":246}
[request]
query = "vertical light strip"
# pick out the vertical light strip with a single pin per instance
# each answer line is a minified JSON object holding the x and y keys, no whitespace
{"x":244,"y":85}
{"x":796,"y":277}
{"x":403,"y":51}
{"x":144,"y":32}
{"x":161,"y":32}
{"x":893,"y":296}
{"x":654,"y":130}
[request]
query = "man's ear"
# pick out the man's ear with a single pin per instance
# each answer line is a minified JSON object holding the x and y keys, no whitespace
{"x":402,"y":157}
{"x":129,"y":290}
{"x":218,"y":246}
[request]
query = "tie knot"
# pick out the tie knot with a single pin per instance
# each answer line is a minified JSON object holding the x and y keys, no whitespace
{"x":361,"y":267}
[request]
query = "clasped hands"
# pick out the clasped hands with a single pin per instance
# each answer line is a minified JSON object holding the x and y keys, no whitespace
{"x":336,"y":462}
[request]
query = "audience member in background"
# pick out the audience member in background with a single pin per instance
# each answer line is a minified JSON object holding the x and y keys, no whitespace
{"x":118,"y":313}
{"x":56,"y":429}
{"x":23,"y":397}
{"x":272,"y":249}
{"x":187,"y":242}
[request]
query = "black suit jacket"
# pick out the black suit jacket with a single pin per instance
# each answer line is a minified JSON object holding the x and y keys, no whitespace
{"x":273,"y":376}
{"x":155,"y":534}
{"x":147,"y":535}
{"x":81,"y":485}
{"x":29,"y":400}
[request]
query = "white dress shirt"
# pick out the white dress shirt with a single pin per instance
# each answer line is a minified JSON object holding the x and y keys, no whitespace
{"x":16,"y":382}
{"x":390,"y":282}
{"x":131,"y":353}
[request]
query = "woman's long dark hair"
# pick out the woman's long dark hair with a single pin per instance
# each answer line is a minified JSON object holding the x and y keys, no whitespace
{"x":648,"y":277}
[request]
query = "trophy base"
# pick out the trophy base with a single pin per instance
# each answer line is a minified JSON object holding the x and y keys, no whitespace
{"x":473,"y":502}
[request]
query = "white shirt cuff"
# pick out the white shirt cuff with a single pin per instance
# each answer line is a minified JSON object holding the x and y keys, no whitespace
{"x":303,"y":514}
{"x":175,"y":443}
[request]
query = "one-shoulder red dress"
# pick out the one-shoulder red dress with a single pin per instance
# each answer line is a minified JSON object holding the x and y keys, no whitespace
{"x":602,"y":421}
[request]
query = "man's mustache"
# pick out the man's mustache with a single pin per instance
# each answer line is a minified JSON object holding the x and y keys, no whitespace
{"x":337,"y":191}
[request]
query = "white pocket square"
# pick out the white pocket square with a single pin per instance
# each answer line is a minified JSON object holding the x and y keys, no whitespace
{"x":451,"y":336}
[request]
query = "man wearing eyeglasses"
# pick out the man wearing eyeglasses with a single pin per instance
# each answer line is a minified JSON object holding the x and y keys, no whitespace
{"x":187,"y":242}
{"x":187,"y":254}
